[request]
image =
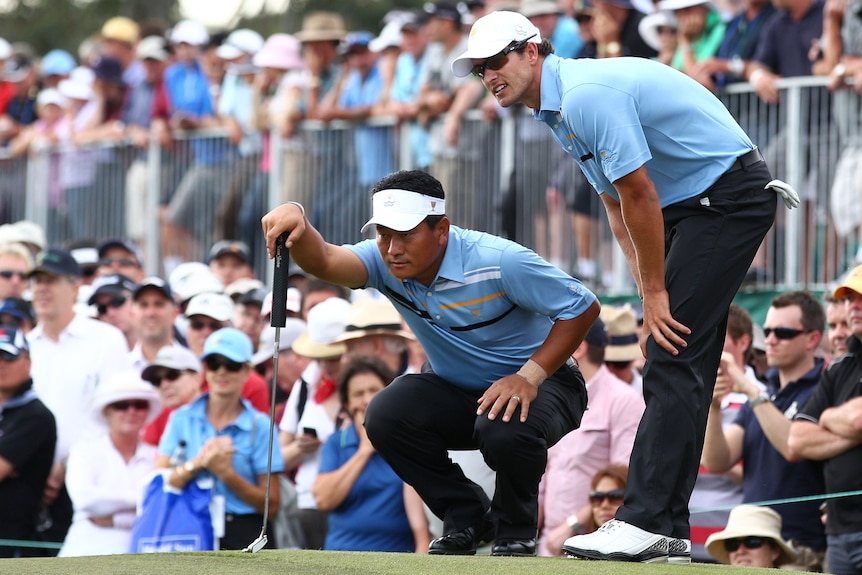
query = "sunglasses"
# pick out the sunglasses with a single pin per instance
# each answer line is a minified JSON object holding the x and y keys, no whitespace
{"x":614,"y":496}
{"x":783,"y":332}
{"x":139,"y":404}
{"x":666,"y":30}
{"x":113,"y":303}
{"x":124,"y":262}
{"x":732,"y":545}
{"x":199,"y":324}
{"x":216,"y":362}
{"x":584,"y":18}
{"x":168,"y":375}
{"x":498,"y":60}
{"x":9,"y":274}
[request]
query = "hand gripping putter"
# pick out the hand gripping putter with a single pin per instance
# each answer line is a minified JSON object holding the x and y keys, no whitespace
{"x":278,"y":321}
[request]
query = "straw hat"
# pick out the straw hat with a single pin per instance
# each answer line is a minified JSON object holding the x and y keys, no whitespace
{"x":321,"y":27}
{"x":123,"y":386}
{"x":373,"y":317}
{"x":326,"y":323}
{"x":622,"y":333}
{"x":750,"y":521}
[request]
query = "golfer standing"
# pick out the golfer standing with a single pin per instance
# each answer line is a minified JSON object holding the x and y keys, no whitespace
{"x":683,"y":187}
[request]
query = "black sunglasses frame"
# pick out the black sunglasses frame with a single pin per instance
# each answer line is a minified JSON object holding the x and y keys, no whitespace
{"x":784,"y":333}
{"x":750,"y":542}
{"x":499,"y":59}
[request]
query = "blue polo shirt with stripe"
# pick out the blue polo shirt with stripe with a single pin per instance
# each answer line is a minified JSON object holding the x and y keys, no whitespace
{"x":617,"y":114}
{"x":490,"y":307}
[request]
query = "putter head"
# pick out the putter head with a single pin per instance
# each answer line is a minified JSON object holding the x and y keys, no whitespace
{"x":256,"y":545}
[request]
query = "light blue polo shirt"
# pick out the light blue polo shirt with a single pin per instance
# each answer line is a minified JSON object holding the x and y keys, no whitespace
{"x":490,"y":307}
{"x":250,"y":435}
{"x":615,"y":115}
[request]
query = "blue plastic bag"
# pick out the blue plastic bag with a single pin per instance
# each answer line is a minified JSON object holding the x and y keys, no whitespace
{"x":173,"y":521}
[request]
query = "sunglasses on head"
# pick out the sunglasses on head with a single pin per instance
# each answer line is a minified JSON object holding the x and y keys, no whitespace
{"x":124,"y":262}
{"x":139,"y":404}
{"x":783,"y":332}
{"x":732,"y":545}
{"x":199,"y":324}
{"x":9,"y":274}
{"x":498,"y":60}
{"x":112,"y":303}
{"x":167,"y":375}
{"x":216,"y":362}
{"x":613,"y":496}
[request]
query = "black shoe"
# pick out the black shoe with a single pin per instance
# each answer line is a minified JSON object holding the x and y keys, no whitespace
{"x":514,"y":548}
{"x":464,"y":542}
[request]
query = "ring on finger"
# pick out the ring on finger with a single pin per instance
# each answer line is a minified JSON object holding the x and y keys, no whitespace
{"x":517,"y":398}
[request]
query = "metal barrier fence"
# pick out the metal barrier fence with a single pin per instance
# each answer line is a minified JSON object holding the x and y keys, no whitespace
{"x":505,"y":176}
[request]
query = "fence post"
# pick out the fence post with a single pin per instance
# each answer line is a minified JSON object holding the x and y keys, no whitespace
{"x":153,"y":261}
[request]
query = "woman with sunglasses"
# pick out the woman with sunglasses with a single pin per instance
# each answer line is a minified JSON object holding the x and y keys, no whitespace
{"x":752,"y":538}
{"x":227,"y":441}
{"x":104,"y":474}
{"x":176,"y":373}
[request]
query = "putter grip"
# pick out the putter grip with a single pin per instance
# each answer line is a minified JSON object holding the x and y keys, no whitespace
{"x":279,"y":283}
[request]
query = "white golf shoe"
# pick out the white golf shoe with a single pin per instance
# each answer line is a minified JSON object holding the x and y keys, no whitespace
{"x":678,"y":551}
{"x":619,"y":541}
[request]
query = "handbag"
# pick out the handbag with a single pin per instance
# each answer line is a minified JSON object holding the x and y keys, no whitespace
{"x":173,"y":521}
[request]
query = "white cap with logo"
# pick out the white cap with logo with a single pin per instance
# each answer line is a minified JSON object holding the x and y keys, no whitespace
{"x":490,"y":34}
{"x":402,"y":210}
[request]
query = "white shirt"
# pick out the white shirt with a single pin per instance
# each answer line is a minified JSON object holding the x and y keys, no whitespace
{"x":314,"y":415}
{"x":101,"y":483}
{"x":66,"y":373}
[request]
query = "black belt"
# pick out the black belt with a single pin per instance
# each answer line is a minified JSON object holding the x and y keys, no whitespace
{"x":745,"y":161}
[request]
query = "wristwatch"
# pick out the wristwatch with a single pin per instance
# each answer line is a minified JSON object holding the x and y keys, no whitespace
{"x":189,"y":468}
{"x":572,"y":521}
{"x":762,"y":398}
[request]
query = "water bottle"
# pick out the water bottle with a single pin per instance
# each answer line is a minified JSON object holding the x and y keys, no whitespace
{"x":179,"y":455}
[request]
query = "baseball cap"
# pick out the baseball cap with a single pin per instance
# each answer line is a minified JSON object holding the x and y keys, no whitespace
{"x":152,"y":48}
{"x":51,"y":96}
{"x":112,"y":284}
{"x":121,"y":29}
{"x":240,"y":42}
{"x":293,"y":328}
{"x":192,"y":278}
{"x":292,"y":303}
{"x":218,"y":306}
{"x":402,"y":210}
{"x":355,"y":40}
{"x":172,"y":357}
{"x":190,"y":32}
{"x":118,"y":243}
{"x":153,"y":282}
{"x":229,"y":342}
{"x":242,"y":286}
{"x":253,"y":296}
{"x":17,"y":68}
{"x":230,"y":247}
{"x":598,"y":334}
{"x":57,"y":63}
{"x":17,"y":307}
{"x":390,"y":37}
{"x":56,"y":261}
{"x":490,"y":34}
{"x":446,"y":10}
{"x":853,"y":282}
{"x":12,"y":341}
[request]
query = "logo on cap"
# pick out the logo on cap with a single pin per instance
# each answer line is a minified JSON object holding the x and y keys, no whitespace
{"x":389,"y":201}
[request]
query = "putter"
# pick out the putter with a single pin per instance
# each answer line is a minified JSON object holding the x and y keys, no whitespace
{"x":278,"y":321}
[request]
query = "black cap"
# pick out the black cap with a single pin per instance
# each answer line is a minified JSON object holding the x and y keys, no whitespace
{"x":232,"y":247}
{"x":56,"y":261}
{"x":156,"y":283}
{"x":445,"y":10}
{"x":598,"y":334}
{"x":12,"y":340}
{"x":118,"y":243}
{"x":108,"y":69}
{"x":253,"y":296}
{"x":113,"y":284}
{"x":17,"y":307}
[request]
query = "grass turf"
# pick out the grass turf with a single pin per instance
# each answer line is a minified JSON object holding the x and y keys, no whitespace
{"x":268,"y":562}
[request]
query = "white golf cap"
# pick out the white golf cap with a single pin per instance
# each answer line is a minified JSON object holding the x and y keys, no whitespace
{"x":402,"y":210}
{"x":239,"y":42}
{"x":490,"y":34}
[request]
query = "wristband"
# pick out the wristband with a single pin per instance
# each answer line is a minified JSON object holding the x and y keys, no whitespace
{"x":533,"y":373}
{"x":574,"y":524}
{"x":755,"y":76}
{"x":736,"y":66}
{"x":298,"y":205}
{"x":762,"y":398}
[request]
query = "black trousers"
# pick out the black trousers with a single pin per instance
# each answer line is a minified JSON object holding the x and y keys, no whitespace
{"x":417,"y":418}
{"x":710,"y":242}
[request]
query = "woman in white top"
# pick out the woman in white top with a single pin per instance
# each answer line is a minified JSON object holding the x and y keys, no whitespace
{"x":104,"y":475}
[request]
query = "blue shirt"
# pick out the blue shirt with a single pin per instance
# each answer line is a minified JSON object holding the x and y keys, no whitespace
{"x":566,"y":38}
{"x":372,"y":516}
{"x":490,"y":307}
{"x":189,"y":93}
{"x":617,"y":114}
{"x":373,"y":144}
{"x":405,"y":88}
{"x":250,"y":436}
{"x":769,"y":476}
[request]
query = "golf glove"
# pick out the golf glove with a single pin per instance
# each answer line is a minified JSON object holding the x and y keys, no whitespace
{"x":786,"y":191}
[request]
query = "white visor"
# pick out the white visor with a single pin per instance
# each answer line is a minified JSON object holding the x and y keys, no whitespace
{"x":401,"y":210}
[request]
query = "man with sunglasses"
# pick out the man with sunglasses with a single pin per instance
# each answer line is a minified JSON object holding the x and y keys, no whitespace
{"x":759,"y":435}
{"x":176,"y":373}
{"x":683,"y":187}
{"x":112,"y":298}
{"x":827,"y":429}
{"x":15,"y":264}
{"x":118,"y":256}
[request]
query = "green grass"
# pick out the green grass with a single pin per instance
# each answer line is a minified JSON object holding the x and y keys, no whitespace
{"x":338,"y":563}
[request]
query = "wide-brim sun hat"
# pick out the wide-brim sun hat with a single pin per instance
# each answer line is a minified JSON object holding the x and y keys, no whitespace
{"x":322,"y":27}
{"x":750,"y":521}
{"x":280,"y":51}
{"x":649,"y":25}
{"x":622,"y":325}
{"x":490,"y":34}
{"x":124,"y":386}
{"x":373,"y":317}
{"x":326,"y":323}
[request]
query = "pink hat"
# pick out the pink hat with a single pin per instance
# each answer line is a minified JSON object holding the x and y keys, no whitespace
{"x":280,"y":51}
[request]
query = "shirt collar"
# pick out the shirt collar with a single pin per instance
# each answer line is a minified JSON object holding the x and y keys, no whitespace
{"x":550,"y":96}
{"x":244,"y":422}
{"x":452,"y":266}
